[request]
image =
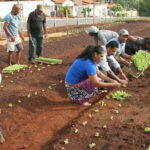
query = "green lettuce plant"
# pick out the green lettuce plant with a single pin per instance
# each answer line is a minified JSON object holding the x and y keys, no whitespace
{"x":141,"y":60}
{"x":13,"y":68}
{"x":120,"y":95}
{"x":49,"y":60}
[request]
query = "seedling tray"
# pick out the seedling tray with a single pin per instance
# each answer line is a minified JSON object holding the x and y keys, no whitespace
{"x":51,"y":61}
{"x":132,"y":70}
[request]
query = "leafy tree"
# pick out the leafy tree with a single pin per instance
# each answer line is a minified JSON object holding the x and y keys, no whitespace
{"x":144,"y":8}
{"x":84,"y":10}
{"x":117,"y":7}
{"x":65,"y":10}
{"x":88,"y":10}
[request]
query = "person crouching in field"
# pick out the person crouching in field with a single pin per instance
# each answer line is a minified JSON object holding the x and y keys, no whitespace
{"x":82,"y":79}
{"x":109,"y":64}
{"x":101,"y":37}
{"x":136,"y":43}
{"x":13,"y":34}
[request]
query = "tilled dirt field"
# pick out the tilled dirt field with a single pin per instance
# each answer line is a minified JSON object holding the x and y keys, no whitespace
{"x":38,"y":121}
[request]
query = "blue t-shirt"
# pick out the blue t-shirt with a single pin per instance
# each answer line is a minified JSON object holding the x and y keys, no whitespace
{"x":13,"y":23}
{"x":80,"y":70}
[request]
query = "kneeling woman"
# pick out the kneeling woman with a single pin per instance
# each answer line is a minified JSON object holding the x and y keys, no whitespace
{"x":82,"y":79}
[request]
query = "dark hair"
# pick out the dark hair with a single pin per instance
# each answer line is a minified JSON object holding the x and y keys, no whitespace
{"x":89,"y":51}
{"x":147,"y":40}
{"x":112,"y":44}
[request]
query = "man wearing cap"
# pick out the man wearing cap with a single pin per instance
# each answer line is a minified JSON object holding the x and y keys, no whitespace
{"x":35,"y":25}
{"x":120,"y":55}
{"x":13,"y":34}
{"x":101,"y":37}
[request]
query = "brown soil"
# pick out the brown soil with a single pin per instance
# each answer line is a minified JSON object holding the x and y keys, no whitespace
{"x":37,"y":122}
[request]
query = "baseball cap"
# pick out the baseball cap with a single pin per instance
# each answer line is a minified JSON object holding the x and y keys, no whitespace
{"x":123,"y":32}
{"x":39,"y":7}
{"x":92,"y":29}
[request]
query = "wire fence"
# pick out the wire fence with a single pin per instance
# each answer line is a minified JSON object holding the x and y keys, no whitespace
{"x":50,"y":23}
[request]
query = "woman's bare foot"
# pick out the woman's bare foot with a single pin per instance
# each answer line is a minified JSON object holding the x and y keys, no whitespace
{"x":86,"y":104}
{"x":2,"y":140}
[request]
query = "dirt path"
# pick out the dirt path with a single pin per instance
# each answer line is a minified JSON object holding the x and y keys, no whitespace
{"x":36,"y":120}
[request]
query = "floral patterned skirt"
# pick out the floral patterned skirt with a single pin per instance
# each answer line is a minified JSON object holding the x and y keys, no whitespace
{"x":81,"y":92}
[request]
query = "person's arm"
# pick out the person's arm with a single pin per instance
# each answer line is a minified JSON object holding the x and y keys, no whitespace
{"x":44,"y":26}
{"x":123,"y":75}
{"x":102,"y":39}
{"x":5,"y":27}
{"x":20,"y":33}
{"x":103,"y":76}
{"x":94,"y":80}
{"x":124,"y":62}
{"x":116,"y":65}
{"x":132,"y":38}
{"x":28,"y":27}
{"x":125,"y":55}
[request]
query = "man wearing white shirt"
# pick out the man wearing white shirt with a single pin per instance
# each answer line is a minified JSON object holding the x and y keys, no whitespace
{"x":109,"y":62}
{"x":120,"y":55}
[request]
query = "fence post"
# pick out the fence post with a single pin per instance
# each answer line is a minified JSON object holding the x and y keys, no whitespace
{"x":78,"y":16}
{"x":93,"y":13}
{"x":67,"y":21}
{"x":85,"y":17}
{"x":54,"y":18}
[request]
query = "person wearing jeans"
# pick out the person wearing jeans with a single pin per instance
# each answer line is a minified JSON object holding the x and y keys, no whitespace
{"x":35,"y":25}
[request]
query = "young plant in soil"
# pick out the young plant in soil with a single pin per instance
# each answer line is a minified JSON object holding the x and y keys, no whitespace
{"x":29,"y":95}
{"x":90,"y":115}
{"x":10,"y":105}
{"x":112,"y":118}
{"x":92,"y":145}
{"x":120,"y":95}
{"x":66,"y":141}
{"x":124,"y":85}
{"x":76,"y":130}
{"x":147,"y":129}
{"x":14,"y":68}
{"x":119,"y":105}
{"x":96,"y":110}
{"x":117,"y":111}
{"x":84,"y":123}
{"x":97,"y":134}
{"x":107,"y":97}
{"x":103,"y":104}
{"x":104,"y":126}
{"x":19,"y":101}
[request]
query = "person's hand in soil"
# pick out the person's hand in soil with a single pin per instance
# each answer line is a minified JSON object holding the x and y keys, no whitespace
{"x":124,"y":77}
{"x":116,"y":85}
{"x":123,"y":81}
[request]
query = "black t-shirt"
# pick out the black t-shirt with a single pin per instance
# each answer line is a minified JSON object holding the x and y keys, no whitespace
{"x":36,"y":24}
{"x":131,"y":47}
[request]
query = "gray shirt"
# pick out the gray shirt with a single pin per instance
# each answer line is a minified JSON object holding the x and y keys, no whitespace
{"x":104,"y":36}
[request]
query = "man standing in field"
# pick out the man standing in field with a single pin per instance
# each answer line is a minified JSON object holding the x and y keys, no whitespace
{"x":35,"y":25}
{"x":13,"y":34}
